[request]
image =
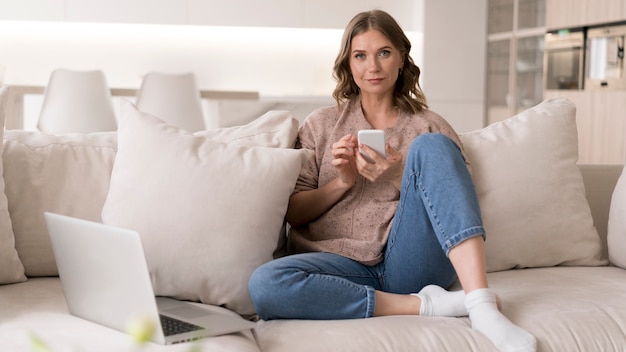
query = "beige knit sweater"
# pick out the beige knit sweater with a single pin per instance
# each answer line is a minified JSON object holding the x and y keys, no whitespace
{"x":358,"y":225}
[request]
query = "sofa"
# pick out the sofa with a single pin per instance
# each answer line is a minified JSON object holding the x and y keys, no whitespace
{"x":210,"y":209}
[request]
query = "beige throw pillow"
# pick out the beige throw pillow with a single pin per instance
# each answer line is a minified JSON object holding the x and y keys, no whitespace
{"x":275,"y":128}
{"x":70,"y":174}
{"x":66,"y":174}
{"x":209,"y":212}
{"x":531,"y":191}
{"x":11,"y":269}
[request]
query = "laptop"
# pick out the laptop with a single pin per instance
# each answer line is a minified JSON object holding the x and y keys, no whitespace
{"x":105,"y":279}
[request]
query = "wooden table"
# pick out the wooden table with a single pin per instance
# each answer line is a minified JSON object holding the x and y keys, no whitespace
{"x":15,"y":107}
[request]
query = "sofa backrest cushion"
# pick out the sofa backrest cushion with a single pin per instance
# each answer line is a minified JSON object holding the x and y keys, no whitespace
{"x":600,"y":180}
{"x":531,"y":191}
{"x":70,"y":174}
{"x":209,"y":211}
{"x":66,"y":174}
{"x":11,"y":268}
{"x":616,"y":231}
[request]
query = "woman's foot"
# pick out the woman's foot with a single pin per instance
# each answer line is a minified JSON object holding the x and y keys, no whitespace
{"x":482,"y":305}
{"x":437,"y":302}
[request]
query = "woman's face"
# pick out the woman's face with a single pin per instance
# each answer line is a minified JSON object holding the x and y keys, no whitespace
{"x":374,"y":63}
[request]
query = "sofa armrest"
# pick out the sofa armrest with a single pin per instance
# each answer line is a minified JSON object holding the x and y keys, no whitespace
{"x":599,"y":182}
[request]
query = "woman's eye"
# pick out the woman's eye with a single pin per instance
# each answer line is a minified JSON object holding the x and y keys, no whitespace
{"x":359,"y":56}
{"x":385,"y":53}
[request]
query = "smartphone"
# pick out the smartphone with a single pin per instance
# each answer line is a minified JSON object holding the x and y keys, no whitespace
{"x":374,"y":139}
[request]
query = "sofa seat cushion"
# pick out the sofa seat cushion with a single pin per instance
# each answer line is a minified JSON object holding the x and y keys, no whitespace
{"x":36,"y":309}
{"x":566,"y":308}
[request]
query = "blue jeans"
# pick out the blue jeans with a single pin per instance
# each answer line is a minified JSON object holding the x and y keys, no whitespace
{"x":438,"y":209}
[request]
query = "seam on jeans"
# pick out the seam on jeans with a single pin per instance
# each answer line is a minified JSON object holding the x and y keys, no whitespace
{"x":337,"y":274}
{"x":316,"y":271}
{"x":371,"y":301}
{"x":449,"y":241}
{"x":434,"y":219}
{"x":340,"y":280}
{"x":397,"y":218}
{"x":460,"y":237}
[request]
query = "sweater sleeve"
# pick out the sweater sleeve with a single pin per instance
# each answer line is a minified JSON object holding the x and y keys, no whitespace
{"x":309,"y":174}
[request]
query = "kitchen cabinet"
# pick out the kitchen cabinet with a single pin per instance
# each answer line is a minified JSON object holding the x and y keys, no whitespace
{"x":577,"y":13}
{"x":565,"y":13}
{"x":515,"y":38}
{"x":600,"y":114}
{"x":604,"y":11}
{"x":601,"y":122}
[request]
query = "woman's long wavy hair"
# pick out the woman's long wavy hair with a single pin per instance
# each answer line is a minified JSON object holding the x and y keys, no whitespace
{"x":407,"y":95}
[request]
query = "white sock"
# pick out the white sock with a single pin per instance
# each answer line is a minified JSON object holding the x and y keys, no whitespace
{"x":437,"y":302}
{"x":486,"y":318}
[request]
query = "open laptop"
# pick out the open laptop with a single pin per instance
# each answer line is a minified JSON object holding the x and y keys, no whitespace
{"x":105,"y":279}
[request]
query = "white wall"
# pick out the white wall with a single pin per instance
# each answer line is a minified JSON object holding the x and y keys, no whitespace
{"x":455,"y":33}
{"x":272,"y":61}
{"x":248,"y":13}
{"x":276,"y":47}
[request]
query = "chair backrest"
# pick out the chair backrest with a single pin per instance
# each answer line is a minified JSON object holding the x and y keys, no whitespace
{"x":173,"y":98}
{"x":77,"y":102}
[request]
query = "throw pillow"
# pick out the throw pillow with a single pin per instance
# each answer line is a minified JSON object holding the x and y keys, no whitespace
{"x":275,"y":128}
{"x":70,"y":174}
{"x":11,"y":268}
{"x":531,"y":191}
{"x":208,"y":212}
{"x":66,"y":174}
{"x":616,"y":230}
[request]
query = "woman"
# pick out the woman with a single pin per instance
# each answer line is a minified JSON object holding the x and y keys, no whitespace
{"x":383,"y":238}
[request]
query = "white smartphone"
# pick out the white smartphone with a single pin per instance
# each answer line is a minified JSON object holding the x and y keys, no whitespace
{"x":374,"y":139}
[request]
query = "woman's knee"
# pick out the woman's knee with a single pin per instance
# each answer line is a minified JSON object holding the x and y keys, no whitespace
{"x":260,"y":284}
{"x":260,"y":287}
{"x":434,"y":149}
{"x":438,"y":141}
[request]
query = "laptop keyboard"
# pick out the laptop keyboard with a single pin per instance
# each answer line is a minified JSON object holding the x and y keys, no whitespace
{"x":172,"y":326}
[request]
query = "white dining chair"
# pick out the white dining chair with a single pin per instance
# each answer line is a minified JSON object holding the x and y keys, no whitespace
{"x":172,"y":97}
{"x":77,"y":102}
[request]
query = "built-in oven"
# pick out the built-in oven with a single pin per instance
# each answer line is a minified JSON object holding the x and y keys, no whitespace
{"x":564,"y":56}
{"x":605,"y":57}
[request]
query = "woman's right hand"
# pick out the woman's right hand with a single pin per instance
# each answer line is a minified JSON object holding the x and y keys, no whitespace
{"x":308,"y":205}
{"x":344,"y":159}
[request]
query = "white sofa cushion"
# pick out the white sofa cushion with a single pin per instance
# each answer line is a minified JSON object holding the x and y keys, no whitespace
{"x":70,"y":174}
{"x":11,"y":268}
{"x":531,"y":191}
{"x":616,"y":231}
{"x":35,"y":317}
{"x":209,"y":212}
{"x":66,"y":174}
{"x":565,"y":308}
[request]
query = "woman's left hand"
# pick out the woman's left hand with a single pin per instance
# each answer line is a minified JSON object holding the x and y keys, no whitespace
{"x":384,"y":169}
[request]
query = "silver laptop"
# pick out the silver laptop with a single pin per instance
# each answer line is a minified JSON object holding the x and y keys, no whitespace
{"x":105,"y":279}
